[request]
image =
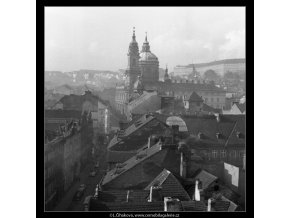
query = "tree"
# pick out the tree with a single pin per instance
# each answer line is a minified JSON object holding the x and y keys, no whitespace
{"x":211,"y":75}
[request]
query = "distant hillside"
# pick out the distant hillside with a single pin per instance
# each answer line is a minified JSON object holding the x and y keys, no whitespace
{"x":96,"y":78}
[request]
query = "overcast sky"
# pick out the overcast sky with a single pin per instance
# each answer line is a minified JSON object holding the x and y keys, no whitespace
{"x":98,"y":37}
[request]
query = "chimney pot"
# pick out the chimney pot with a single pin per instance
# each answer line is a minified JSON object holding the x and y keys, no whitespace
{"x":209,"y":205}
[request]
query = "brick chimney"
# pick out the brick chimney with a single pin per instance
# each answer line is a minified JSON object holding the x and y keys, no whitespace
{"x":155,"y":194}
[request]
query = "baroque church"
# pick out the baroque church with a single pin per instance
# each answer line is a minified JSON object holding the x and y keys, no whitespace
{"x":142,"y":82}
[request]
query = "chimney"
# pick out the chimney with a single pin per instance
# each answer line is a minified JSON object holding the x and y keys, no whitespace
{"x":175,"y":131}
{"x":127,"y":198}
{"x":171,"y":204}
{"x":209,"y":205}
{"x":217,"y":117}
{"x":182,"y":166}
{"x":151,"y":141}
{"x":97,"y":191}
{"x":155,"y":194}
{"x":196,"y":193}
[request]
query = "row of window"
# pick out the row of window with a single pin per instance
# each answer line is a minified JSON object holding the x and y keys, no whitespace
{"x":49,"y":172}
{"x":223,"y":154}
{"x":206,"y":100}
{"x":49,"y":189}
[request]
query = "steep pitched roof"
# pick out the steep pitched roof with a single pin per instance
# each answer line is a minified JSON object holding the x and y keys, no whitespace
{"x":242,"y":107}
{"x":119,"y":156}
{"x":171,"y":187}
{"x":208,"y":108}
{"x":206,"y":178}
{"x":96,"y":205}
{"x":132,"y":162}
{"x":228,"y":130}
{"x":145,"y":119}
{"x":121,"y":195}
{"x":194,"y":98}
{"x":220,"y":205}
{"x":193,"y":206}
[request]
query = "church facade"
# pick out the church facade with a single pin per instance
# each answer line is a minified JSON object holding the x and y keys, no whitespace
{"x":142,"y":76}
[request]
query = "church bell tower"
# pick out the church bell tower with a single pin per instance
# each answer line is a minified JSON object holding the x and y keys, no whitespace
{"x":133,"y":70}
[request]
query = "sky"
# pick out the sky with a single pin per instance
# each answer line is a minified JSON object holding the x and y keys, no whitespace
{"x":97,"y":38}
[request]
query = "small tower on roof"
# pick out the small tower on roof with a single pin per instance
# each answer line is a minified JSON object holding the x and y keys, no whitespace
{"x":166,"y":75}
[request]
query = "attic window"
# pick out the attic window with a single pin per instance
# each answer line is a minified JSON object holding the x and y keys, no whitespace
{"x":240,"y":135}
{"x":218,"y":135}
{"x":200,"y":135}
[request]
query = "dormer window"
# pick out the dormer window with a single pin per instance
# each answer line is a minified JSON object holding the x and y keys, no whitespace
{"x":240,"y":135}
{"x":218,"y":135}
{"x":200,"y":135}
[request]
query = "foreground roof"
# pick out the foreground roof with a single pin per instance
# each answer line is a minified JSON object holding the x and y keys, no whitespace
{"x":171,"y":187}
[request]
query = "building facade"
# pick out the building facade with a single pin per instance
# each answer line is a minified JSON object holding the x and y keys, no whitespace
{"x":220,"y":67}
{"x":145,"y":66}
{"x":65,"y":156}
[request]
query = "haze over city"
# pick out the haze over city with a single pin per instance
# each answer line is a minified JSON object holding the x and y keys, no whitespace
{"x":98,"y":38}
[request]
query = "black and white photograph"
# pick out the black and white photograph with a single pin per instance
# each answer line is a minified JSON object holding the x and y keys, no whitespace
{"x":145,"y":109}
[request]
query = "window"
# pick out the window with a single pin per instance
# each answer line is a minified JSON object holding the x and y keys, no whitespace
{"x":241,"y":154}
{"x":217,"y":99}
{"x":205,"y":100}
{"x":214,"y":153}
{"x":233,"y":154}
{"x":223,"y":153}
{"x":211,"y":99}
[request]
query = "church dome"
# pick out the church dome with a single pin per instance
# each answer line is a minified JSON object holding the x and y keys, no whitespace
{"x":147,"y":56}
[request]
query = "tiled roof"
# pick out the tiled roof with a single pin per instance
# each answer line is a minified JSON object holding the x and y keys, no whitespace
{"x":121,"y":195}
{"x":131,"y":129}
{"x":242,"y":107}
{"x":232,"y":206}
{"x":227,"y":128}
{"x":171,"y":187}
{"x":126,"y":206}
{"x":220,"y":205}
{"x":132,"y":162}
{"x":193,"y":206}
{"x":119,"y":156}
{"x":206,"y":178}
{"x":208,"y":108}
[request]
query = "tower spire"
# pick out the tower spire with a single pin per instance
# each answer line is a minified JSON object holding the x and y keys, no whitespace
{"x":133,"y":37}
{"x":146,"y":37}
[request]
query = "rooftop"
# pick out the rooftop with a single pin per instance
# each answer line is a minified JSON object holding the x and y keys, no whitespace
{"x":171,"y":187}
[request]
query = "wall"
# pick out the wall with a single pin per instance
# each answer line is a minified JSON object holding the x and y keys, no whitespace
{"x":64,"y":158}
